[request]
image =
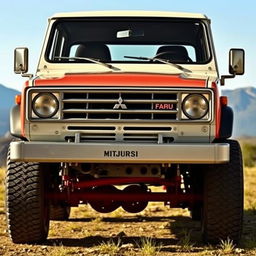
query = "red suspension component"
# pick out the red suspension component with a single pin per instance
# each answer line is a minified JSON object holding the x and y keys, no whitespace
{"x":123,"y":181}
{"x":104,"y":197}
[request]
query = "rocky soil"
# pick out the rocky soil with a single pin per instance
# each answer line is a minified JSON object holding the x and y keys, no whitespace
{"x":167,"y":231}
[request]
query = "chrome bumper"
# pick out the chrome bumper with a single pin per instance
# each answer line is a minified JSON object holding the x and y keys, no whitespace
{"x":119,"y":152}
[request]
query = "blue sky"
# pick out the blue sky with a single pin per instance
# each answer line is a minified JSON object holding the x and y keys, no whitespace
{"x":23,"y":23}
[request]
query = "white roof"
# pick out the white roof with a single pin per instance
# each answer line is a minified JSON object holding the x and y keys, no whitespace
{"x":129,"y":14}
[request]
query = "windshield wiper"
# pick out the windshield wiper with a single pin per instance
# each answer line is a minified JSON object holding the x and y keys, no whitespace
{"x":160,"y":60}
{"x":90,"y":60}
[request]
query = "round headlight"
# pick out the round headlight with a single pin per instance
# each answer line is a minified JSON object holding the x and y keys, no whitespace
{"x":195,"y":106}
{"x":45,"y":105}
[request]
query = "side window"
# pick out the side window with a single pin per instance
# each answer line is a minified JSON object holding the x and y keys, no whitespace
{"x":62,"y":43}
{"x":53,"y":46}
{"x":191,"y":52}
{"x":58,"y":45}
{"x":72,"y":52}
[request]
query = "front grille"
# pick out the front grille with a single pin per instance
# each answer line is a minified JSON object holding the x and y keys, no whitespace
{"x":119,"y":133}
{"x":120,"y":105}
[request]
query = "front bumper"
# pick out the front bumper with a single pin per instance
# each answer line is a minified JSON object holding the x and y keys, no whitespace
{"x":182,"y":153}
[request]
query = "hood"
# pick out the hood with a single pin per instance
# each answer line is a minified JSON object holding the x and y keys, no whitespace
{"x":122,"y":80}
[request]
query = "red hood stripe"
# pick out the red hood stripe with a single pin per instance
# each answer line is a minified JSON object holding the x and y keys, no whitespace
{"x":121,"y":80}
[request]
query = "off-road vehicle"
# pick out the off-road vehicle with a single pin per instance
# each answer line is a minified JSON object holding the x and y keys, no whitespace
{"x":123,"y":102}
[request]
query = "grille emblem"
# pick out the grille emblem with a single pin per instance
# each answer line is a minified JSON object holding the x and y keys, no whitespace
{"x":120,"y":104}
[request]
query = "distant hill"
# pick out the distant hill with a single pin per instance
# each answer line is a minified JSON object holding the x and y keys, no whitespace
{"x":7,"y":98}
{"x":243,"y":102}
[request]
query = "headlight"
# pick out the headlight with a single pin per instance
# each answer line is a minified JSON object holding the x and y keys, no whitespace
{"x":195,"y":106}
{"x":45,"y":105}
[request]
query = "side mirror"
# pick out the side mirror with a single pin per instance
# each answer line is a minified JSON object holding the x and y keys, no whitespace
{"x":236,"y":61}
{"x":236,"y":64}
{"x":21,"y":60}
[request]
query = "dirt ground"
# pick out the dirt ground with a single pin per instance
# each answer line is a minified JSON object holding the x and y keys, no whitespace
{"x":155,"y":231}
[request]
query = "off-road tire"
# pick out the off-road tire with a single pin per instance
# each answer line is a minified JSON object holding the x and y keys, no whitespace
{"x":223,"y":198}
{"x":196,"y":181}
{"x":196,"y":212}
{"x":26,"y":205}
{"x":59,"y":212}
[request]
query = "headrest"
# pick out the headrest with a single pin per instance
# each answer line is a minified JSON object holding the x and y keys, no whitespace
{"x":94,"y":50}
{"x":173,"y":53}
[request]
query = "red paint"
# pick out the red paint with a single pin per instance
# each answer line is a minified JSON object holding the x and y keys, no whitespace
{"x":131,"y":80}
{"x":122,"y":181}
{"x":224,"y":100}
{"x":121,"y":196}
{"x":217,"y":110}
{"x":114,"y":80}
{"x":22,"y":108}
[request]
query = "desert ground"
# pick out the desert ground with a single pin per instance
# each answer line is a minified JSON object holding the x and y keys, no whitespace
{"x":157,"y":230}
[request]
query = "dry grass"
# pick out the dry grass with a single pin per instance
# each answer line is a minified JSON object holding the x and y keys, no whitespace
{"x":227,"y":246}
{"x":250,"y":189}
{"x":149,"y":247}
{"x":185,"y":243}
{"x":119,"y":233}
{"x":60,"y":250}
{"x":2,"y":177}
{"x":110,"y":248}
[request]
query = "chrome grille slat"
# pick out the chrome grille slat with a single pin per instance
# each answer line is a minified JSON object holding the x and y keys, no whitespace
{"x":120,"y":105}
{"x":114,"y":101}
{"x":119,"y":111}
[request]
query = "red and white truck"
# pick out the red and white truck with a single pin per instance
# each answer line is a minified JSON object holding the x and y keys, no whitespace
{"x":128,"y":98}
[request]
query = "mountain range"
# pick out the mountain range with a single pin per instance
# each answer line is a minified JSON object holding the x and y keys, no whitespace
{"x":7,"y":100}
{"x":242,"y":100}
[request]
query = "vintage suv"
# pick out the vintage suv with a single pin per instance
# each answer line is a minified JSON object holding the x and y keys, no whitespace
{"x":123,"y":102}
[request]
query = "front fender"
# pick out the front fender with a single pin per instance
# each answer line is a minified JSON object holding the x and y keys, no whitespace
{"x":226,"y":125}
{"x":15,"y":123}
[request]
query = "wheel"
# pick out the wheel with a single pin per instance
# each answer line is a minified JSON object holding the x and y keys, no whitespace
{"x":223,"y":198}
{"x":26,"y":205}
{"x":195,"y":181}
{"x":196,"y":212}
{"x":59,"y":212}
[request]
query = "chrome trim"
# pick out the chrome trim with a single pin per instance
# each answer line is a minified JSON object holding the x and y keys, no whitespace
{"x":193,"y":153}
{"x":117,"y":90}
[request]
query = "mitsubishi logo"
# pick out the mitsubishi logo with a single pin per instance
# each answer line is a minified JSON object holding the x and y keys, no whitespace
{"x":120,"y":104}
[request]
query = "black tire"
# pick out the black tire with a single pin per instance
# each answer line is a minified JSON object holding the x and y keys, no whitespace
{"x":59,"y":212}
{"x":223,"y":199}
{"x":196,"y":212}
{"x":26,"y":206}
{"x":195,"y":182}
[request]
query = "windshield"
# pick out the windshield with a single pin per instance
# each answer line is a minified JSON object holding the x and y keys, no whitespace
{"x":180,"y":41}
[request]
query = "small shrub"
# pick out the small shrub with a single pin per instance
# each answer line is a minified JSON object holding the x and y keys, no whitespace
{"x":149,"y":247}
{"x":227,"y":246}
{"x":110,"y":248}
{"x":61,"y":251}
{"x":185,"y":241}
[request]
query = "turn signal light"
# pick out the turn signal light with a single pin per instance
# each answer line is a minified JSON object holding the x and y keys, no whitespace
{"x":18,"y":99}
{"x":224,"y":100}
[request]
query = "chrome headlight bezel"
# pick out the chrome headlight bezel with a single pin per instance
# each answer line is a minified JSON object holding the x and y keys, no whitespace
{"x":52,"y":99}
{"x":205,"y":109}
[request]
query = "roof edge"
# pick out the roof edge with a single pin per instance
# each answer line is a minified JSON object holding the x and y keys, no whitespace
{"x":122,"y":13}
